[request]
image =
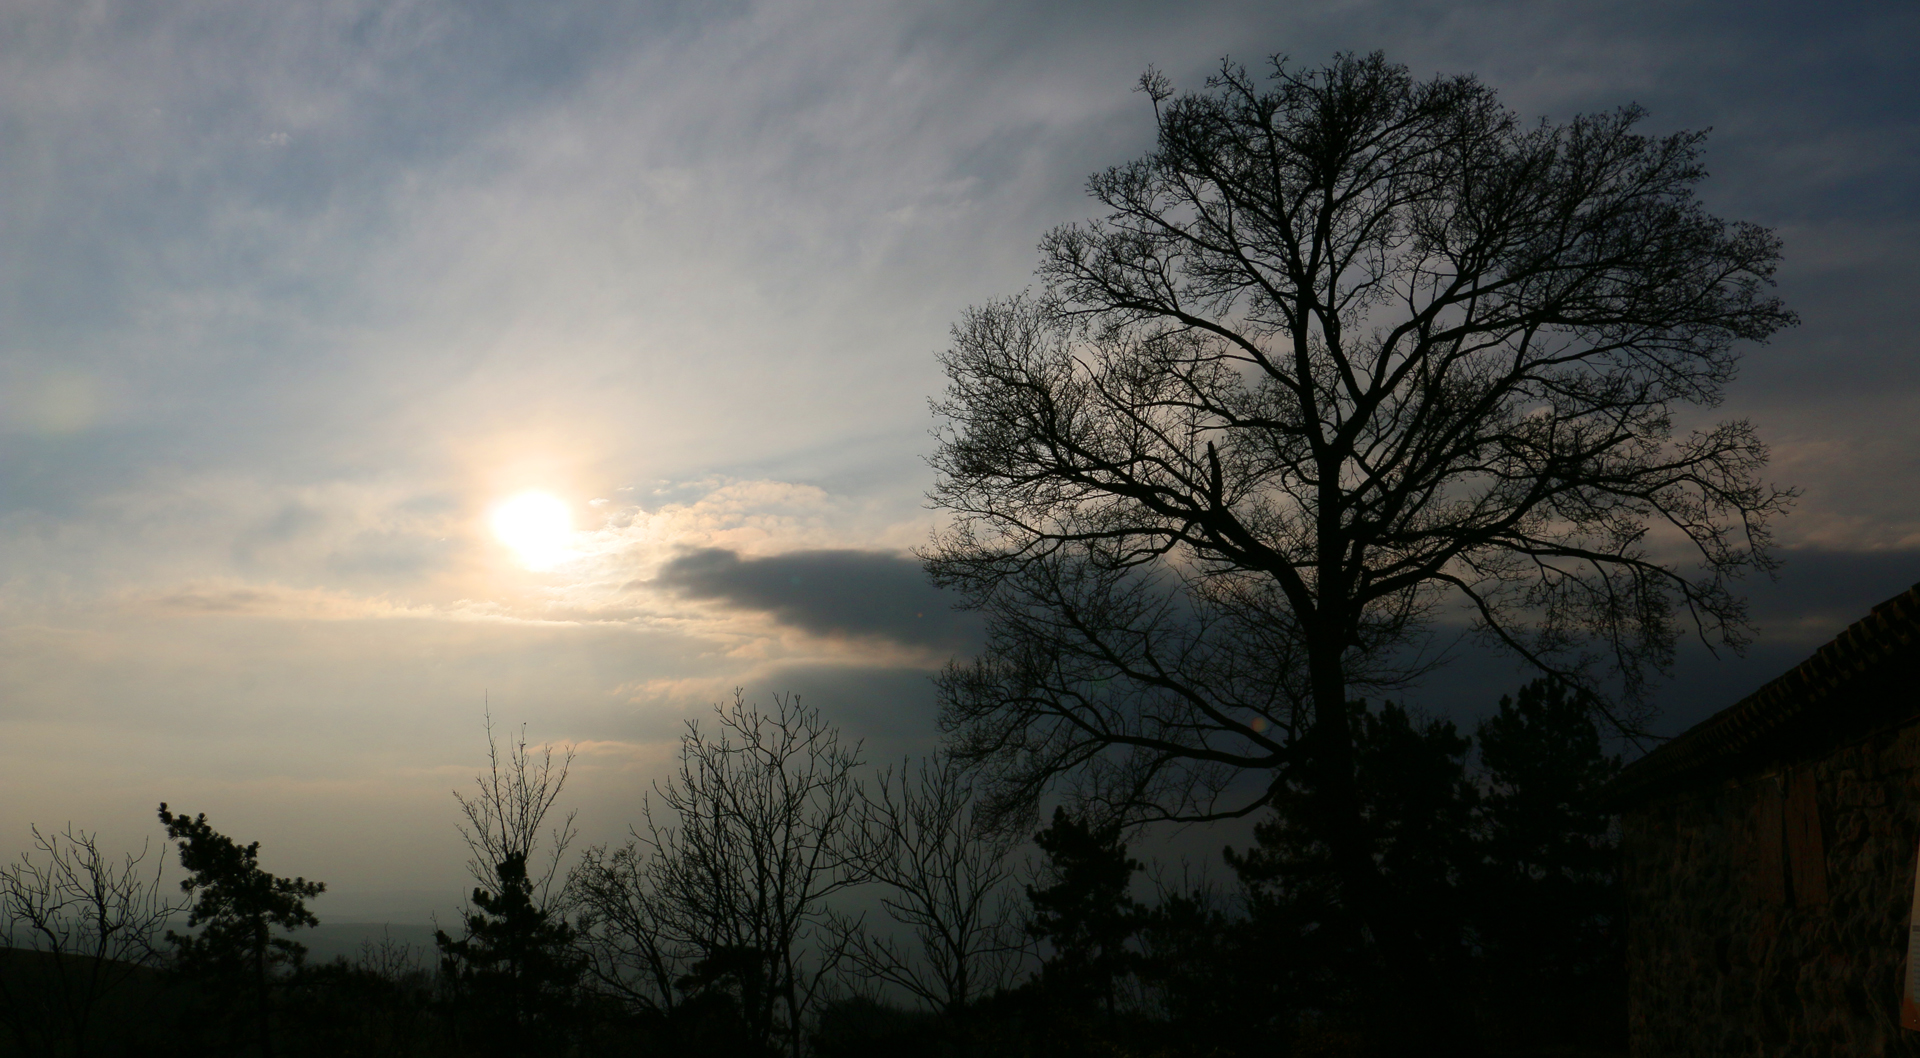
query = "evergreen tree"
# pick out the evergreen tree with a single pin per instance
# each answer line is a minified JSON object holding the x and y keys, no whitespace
{"x":1549,"y":892}
{"x":514,"y":972}
{"x":1085,"y":911}
{"x":1206,"y":979}
{"x":236,"y":907}
{"x":1416,"y":825}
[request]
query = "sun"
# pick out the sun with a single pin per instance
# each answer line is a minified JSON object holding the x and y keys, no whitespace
{"x":537,"y":526}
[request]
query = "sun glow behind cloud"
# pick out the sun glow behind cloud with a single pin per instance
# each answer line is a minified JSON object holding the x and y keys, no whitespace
{"x":537,"y":526}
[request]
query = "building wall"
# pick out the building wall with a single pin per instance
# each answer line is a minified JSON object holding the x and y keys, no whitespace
{"x":1768,"y":914}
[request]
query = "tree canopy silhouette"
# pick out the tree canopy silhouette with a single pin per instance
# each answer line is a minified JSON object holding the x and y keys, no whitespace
{"x":1084,"y":910}
{"x":514,"y":970}
{"x":1550,"y":922}
{"x":1350,"y":354}
{"x":236,"y":907}
{"x":1348,"y":349}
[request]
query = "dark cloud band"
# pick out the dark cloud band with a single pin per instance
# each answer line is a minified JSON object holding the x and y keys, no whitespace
{"x":840,"y":592}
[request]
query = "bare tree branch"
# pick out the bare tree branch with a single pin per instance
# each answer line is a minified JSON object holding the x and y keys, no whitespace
{"x":1350,"y":361}
{"x":79,"y":926}
{"x":725,"y":890}
{"x":505,"y":814}
{"x":947,"y":879}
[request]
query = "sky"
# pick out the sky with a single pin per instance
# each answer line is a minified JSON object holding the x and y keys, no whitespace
{"x":295,"y":296}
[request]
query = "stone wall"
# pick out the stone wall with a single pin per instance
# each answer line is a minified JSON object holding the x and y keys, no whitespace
{"x":1768,"y":913}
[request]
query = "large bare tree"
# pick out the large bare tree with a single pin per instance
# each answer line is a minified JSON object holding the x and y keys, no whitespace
{"x":1350,"y":358}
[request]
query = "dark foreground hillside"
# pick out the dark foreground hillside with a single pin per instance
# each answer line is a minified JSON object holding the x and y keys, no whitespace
{"x":38,"y":1016}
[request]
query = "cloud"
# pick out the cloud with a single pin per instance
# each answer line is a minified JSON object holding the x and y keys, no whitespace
{"x":1819,"y":592}
{"x":827,"y":593}
{"x":276,"y":601}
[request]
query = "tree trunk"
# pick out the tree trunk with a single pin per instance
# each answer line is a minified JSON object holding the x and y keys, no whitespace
{"x":1407,"y":1010}
{"x":265,"y":1013}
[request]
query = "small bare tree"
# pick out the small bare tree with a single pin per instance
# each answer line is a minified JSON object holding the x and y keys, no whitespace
{"x":513,"y":971}
{"x":630,"y":935}
{"x":79,"y":924}
{"x":947,"y":878}
{"x":725,"y":889}
{"x":504,"y":817}
{"x":393,"y":961}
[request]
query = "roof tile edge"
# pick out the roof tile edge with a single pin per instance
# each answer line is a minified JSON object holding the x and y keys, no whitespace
{"x":1862,"y":645}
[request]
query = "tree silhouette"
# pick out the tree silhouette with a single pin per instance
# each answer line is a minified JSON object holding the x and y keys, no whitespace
{"x":1207,"y":979}
{"x":236,"y":907}
{"x":514,"y":972}
{"x":96,"y":922}
{"x":1348,"y":351}
{"x":1549,"y":889}
{"x":723,"y":892}
{"x":945,"y":877}
{"x":1085,"y":910}
{"x":1417,"y":826}
{"x":510,"y":803}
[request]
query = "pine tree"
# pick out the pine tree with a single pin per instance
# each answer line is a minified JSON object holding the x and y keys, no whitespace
{"x":514,"y":972}
{"x":1549,"y":910}
{"x":236,"y":907}
{"x":1416,"y":825}
{"x":1085,"y":911}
